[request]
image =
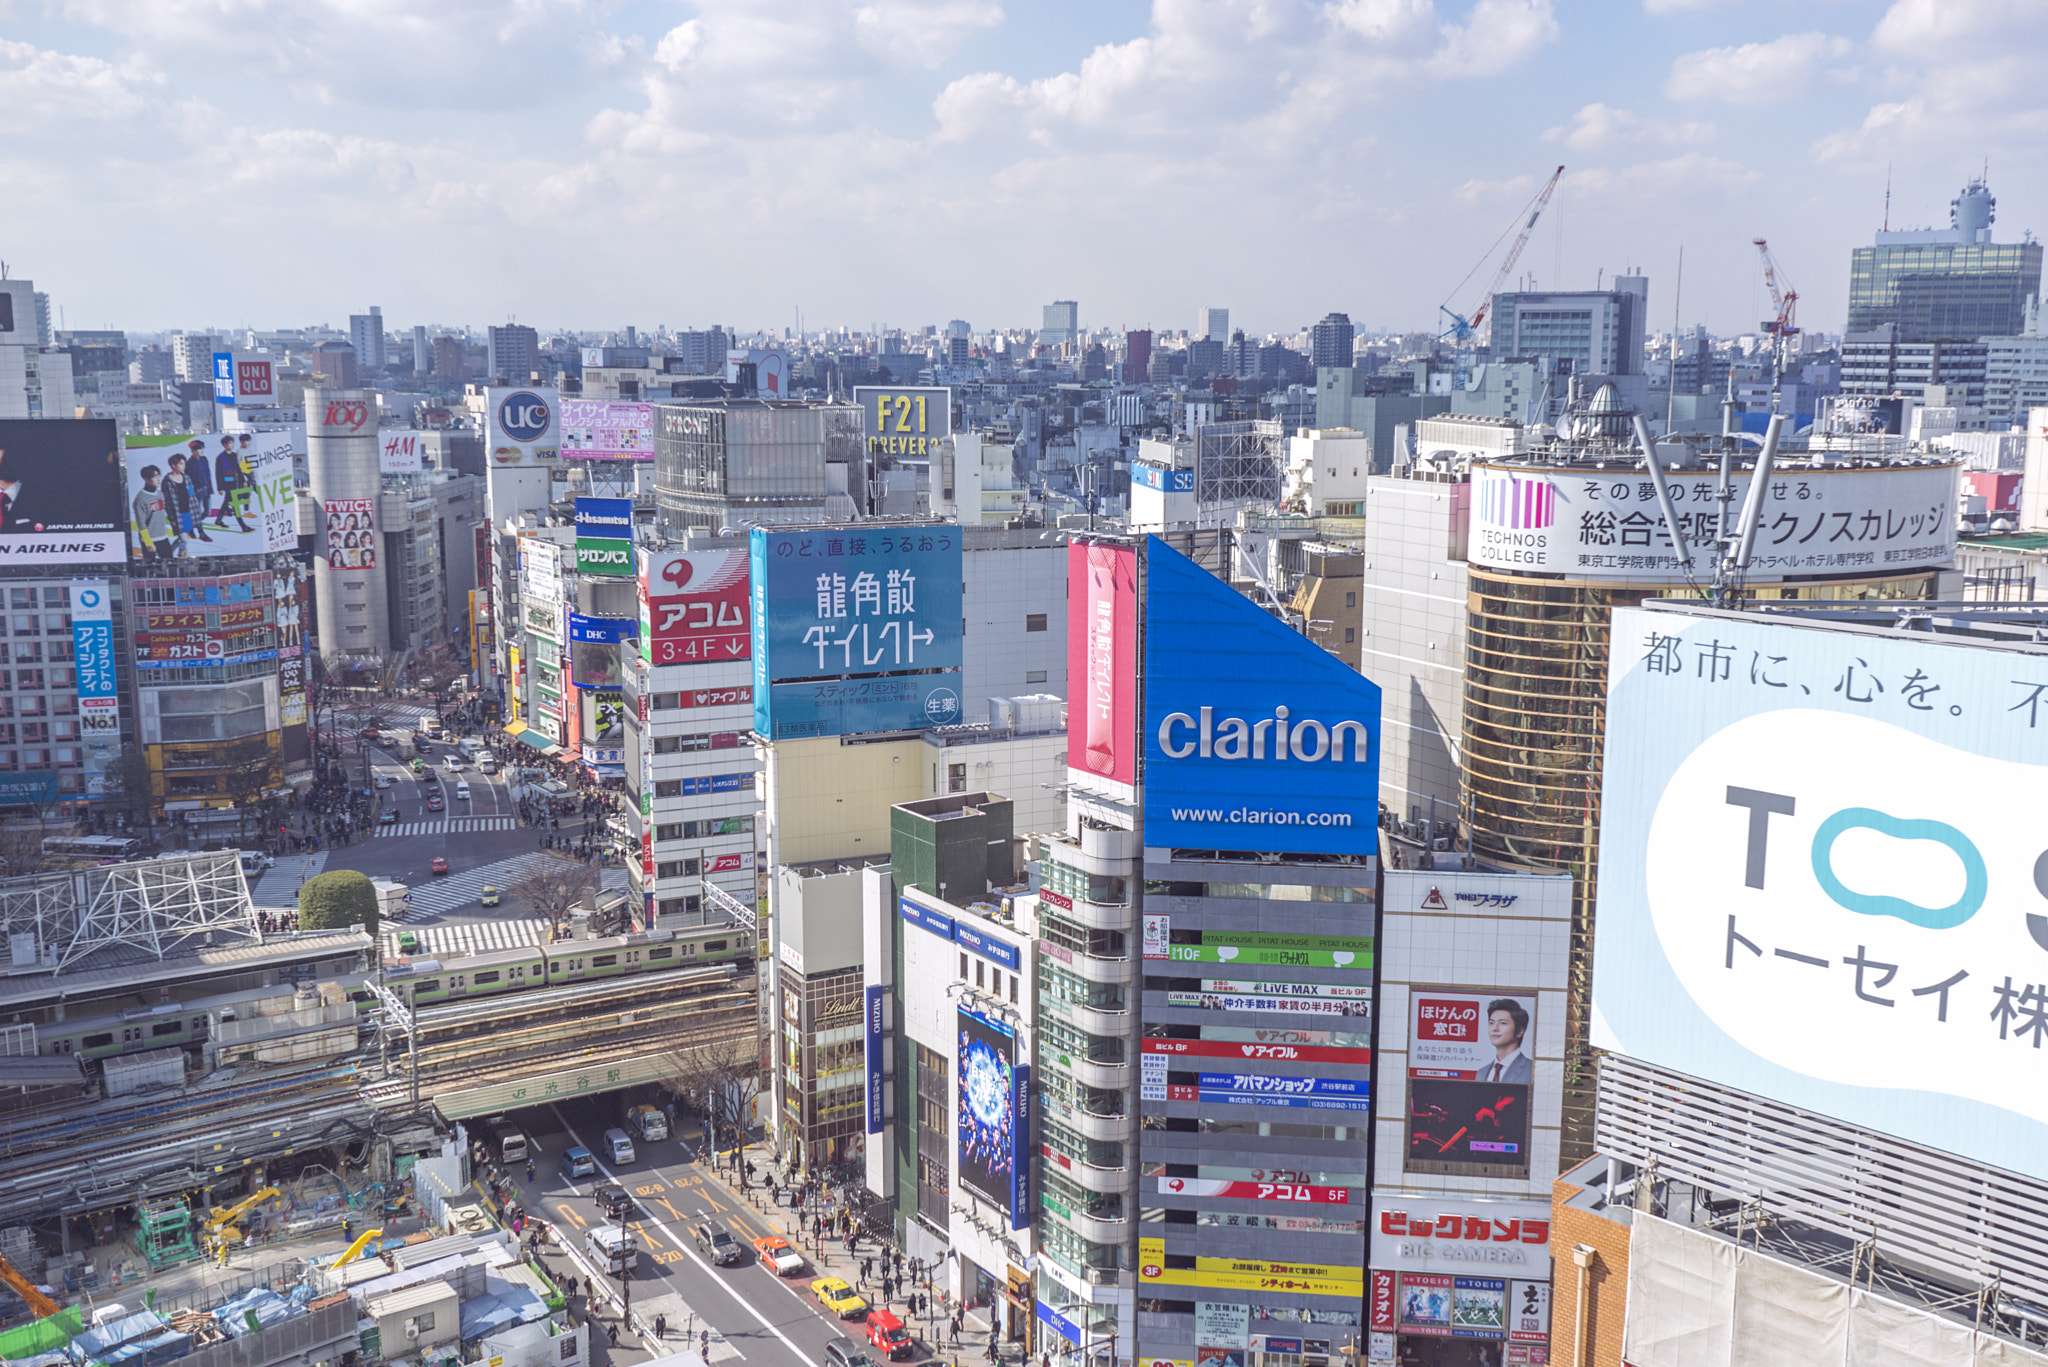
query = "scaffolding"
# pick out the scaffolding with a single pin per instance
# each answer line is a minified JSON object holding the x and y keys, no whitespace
{"x":1238,"y":462}
{"x":164,"y":1234}
{"x":160,"y":906}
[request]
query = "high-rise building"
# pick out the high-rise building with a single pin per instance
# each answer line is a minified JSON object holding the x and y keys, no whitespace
{"x":1935,"y":284}
{"x":43,"y":329}
{"x":449,"y":367}
{"x":1212,"y":325}
{"x":1599,"y":332}
{"x":703,"y":353}
{"x":1062,"y":323}
{"x":349,"y":571}
{"x":514,"y":351}
{"x":1137,"y":355}
{"x":422,"y":355}
{"x":366,"y":335}
{"x":335,"y":364}
{"x":192,"y":354}
{"x":956,"y":349}
{"x":1330,"y":341}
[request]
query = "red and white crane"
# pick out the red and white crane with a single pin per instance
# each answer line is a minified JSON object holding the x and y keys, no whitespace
{"x":1785,"y":301}
{"x":1463,"y":329}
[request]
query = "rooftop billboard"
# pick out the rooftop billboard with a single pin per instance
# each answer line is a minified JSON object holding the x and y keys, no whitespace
{"x":1256,"y":738}
{"x":226,"y":494}
{"x":1102,"y":656}
{"x":856,"y":629}
{"x":607,"y":429}
{"x":1821,"y":873}
{"x":60,"y":492}
{"x":695,"y":606}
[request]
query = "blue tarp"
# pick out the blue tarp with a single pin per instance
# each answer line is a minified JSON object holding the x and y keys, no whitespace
{"x":268,"y":1307}
{"x":101,"y":1340}
{"x":482,"y":1315}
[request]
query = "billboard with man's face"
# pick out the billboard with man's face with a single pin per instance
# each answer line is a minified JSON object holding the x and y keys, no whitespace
{"x":1471,"y":1071}
{"x":60,"y":492}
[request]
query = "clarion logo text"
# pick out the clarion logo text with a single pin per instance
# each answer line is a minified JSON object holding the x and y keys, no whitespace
{"x":1308,"y":740}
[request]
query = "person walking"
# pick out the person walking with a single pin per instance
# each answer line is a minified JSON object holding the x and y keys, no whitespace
{"x":611,"y":1331}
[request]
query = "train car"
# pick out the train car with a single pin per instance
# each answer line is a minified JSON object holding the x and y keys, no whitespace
{"x":491,"y":973}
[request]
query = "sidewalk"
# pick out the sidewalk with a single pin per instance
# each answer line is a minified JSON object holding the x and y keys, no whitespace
{"x":829,"y":1258}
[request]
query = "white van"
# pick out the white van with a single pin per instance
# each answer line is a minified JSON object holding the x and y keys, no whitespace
{"x":462,"y":789}
{"x":612,"y":1248}
{"x":469,"y":745}
{"x":486,"y":762}
{"x":619,"y":1145}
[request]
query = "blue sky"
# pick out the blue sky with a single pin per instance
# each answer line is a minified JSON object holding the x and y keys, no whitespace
{"x":575,"y":163}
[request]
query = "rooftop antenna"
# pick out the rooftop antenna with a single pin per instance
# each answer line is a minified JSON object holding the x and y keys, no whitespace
{"x":1887,"y":197}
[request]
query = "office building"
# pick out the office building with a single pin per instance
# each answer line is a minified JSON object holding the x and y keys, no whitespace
{"x":1330,"y":342}
{"x":702,"y":353}
{"x":366,"y":335}
{"x":1376,"y":405}
{"x":1212,"y":325}
{"x":1937,"y":284}
{"x":1551,"y":551}
{"x":754,"y":462}
{"x":1597,"y":332}
{"x":422,"y":354}
{"x":449,"y":367}
{"x":1061,"y":325}
{"x":335,"y":365}
{"x":1726,"y":1213}
{"x":956,"y":351}
{"x":192,"y":356}
{"x":1205,"y":359}
{"x":1880,"y":364}
{"x":43,"y":318}
{"x":1137,"y":355}
{"x":2016,"y":373}
{"x":513,"y":354}
{"x":152,"y":365}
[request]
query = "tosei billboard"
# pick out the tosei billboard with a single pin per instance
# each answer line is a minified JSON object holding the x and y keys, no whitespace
{"x":605,"y":429}
{"x":520,"y":427}
{"x":1102,"y":659}
{"x":1255,"y":737}
{"x":994,"y":1118}
{"x":1822,"y":877}
{"x":230,"y":494}
{"x":856,"y":629}
{"x":1606,"y":524}
{"x":696,"y":606}
{"x":60,"y":492}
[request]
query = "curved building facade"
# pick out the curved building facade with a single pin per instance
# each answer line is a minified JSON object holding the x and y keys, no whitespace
{"x":348,"y":555}
{"x":1555,"y":546}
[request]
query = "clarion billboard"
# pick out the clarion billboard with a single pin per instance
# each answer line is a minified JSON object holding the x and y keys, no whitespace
{"x":1256,"y":738}
{"x":1822,"y":873}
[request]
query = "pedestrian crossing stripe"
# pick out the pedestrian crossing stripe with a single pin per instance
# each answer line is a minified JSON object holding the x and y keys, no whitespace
{"x":454,"y":825}
{"x":476,"y":938}
{"x":453,"y":890}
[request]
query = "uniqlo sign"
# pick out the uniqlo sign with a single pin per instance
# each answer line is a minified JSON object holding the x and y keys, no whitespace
{"x":252,"y":380}
{"x":1454,"y":1019}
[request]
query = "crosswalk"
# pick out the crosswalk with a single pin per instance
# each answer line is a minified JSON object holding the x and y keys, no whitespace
{"x":459,"y":889}
{"x":450,"y":825}
{"x":477,"y":937}
{"x":279,"y":887}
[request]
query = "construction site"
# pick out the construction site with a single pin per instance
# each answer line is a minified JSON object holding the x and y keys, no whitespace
{"x":200,"y":1116}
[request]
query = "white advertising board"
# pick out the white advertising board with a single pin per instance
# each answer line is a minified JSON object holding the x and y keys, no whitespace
{"x":1822,"y":877}
{"x":1606,"y":524}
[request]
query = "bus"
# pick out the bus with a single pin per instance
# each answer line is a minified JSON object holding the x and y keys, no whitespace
{"x":91,"y":849}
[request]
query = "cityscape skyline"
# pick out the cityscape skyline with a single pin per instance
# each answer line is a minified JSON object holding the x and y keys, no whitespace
{"x":905,"y":163}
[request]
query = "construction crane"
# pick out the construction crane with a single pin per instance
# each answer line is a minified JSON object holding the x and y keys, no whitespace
{"x":39,"y":1305}
{"x":221,"y":1225}
{"x":1462,"y":329}
{"x":1783,"y":327}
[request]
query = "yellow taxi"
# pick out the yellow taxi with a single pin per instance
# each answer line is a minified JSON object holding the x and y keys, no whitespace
{"x":489,"y":896}
{"x":841,"y":1299}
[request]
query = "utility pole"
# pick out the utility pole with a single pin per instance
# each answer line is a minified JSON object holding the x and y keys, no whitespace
{"x":626,"y":1262}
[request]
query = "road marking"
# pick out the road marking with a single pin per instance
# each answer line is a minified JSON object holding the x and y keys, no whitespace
{"x":742,"y":1301}
{"x":571,"y":1216}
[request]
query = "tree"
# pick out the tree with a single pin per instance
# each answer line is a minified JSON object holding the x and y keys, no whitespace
{"x":555,"y":887}
{"x":338,"y":900}
{"x":128,"y":786}
{"x":720,"y":1077}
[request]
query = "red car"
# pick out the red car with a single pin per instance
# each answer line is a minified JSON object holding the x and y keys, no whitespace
{"x":439,"y":865}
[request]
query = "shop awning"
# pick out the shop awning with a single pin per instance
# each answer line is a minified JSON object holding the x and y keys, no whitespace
{"x":535,"y":739}
{"x":517,"y":728}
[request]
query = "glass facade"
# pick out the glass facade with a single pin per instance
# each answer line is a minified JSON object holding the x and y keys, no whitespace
{"x":1930,"y":290}
{"x":739,"y":463}
{"x":1534,"y":727}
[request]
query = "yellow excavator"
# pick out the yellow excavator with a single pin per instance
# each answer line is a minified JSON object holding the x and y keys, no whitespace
{"x":223,"y":1226}
{"x":39,"y":1305}
{"x":355,"y":1249}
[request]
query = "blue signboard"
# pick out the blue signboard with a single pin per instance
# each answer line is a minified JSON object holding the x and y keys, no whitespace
{"x":224,"y":377}
{"x":716,"y":783}
{"x":17,"y":789}
{"x":604,"y":519}
{"x":92,"y":643}
{"x":918,"y":914}
{"x":877,"y":1055}
{"x":1166,"y":481}
{"x":1256,"y":738}
{"x":1020,"y":1171}
{"x":602,"y":630}
{"x":986,"y":945}
{"x":856,"y":630}
{"x":1059,"y":1323}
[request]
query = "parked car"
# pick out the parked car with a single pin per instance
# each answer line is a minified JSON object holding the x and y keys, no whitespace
{"x":778,"y":1257}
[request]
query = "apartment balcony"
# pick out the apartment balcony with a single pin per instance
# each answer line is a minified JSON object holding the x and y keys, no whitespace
{"x":1102,"y":1222}
{"x":1122,"y":972}
{"x":1112,"y":1180}
{"x":1108,"y":844}
{"x":1106,"y":1118}
{"x":1109,"y":1072}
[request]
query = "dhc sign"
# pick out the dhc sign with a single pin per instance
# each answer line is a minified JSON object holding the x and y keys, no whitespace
{"x":1256,"y":738}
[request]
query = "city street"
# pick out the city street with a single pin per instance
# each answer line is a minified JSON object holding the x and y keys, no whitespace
{"x":752,"y":1314}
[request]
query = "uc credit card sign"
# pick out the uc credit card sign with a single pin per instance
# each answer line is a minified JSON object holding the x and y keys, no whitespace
{"x":1255,"y":738}
{"x":856,"y":629}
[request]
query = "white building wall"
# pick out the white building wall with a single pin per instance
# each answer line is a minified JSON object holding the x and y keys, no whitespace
{"x":723,"y":723}
{"x":1010,"y":576}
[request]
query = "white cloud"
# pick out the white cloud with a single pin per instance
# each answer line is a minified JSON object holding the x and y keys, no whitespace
{"x":1596,"y":126}
{"x":921,"y":32}
{"x":1755,"y":73}
{"x":40,"y":86}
